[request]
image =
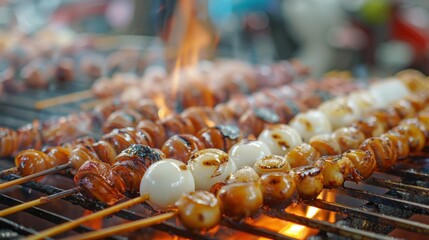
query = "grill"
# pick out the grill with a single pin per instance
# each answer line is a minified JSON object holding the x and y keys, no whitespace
{"x":382,"y":205}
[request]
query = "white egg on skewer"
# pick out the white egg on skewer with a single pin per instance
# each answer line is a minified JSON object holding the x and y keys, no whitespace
{"x":165,"y":181}
{"x":311,"y":123}
{"x":363,"y":101}
{"x":339,"y":112}
{"x":209,"y":166}
{"x":246,"y":152}
{"x":388,"y":91}
{"x":280,"y":138}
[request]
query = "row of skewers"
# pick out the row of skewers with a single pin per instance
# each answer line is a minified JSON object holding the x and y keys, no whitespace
{"x":285,"y":135}
{"x":272,"y":181}
{"x":283,"y":104}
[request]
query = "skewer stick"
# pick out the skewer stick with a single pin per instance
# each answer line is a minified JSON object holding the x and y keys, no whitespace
{"x":34,"y":176}
{"x":37,"y":202}
{"x":100,"y":214}
{"x":9,"y":171}
{"x":146,"y":222}
{"x":68,"y":98}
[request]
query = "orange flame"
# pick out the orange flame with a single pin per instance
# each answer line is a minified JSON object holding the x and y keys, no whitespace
{"x":295,"y":230}
{"x":191,"y":36}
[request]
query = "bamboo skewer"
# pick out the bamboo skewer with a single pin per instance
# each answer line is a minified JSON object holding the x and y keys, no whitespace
{"x":100,"y":214}
{"x":68,"y":98}
{"x":9,"y":171}
{"x":34,"y":176}
{"x":37,"y":202}
{"x":146,"y":222}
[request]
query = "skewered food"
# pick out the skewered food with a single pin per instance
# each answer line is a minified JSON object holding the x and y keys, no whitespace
{"x":280,"y":138}
{"x":279,"y":189}
{"x":209,"y":166}
{"x":221,"y":137}
{"x":181,"y":146}
{"x":271,"y":163}
{"x":172,"y":176}
{"x":246,"y":152}
{"x":383,"y":149}
{"x":244,"y":174}
{"x":97,"y":180}
{"x":348,"y":138}
{"x":311,"y":123}
{"x":239,"y":200}
{"x":325,"y":144}
{"x":363,"y":162}
{"x":31,"y":161}
{"x":199,"y":210}
{"x":301,"y":155}
{"x":335,"y":170}
{"x":308,"y":180}
{"x":132,"y":163}
{"x":339,"y":112}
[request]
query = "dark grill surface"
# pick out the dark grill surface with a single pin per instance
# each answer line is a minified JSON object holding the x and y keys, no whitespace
{"x":370,"y":210}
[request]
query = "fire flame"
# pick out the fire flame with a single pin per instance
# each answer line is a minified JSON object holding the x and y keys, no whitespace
{"x":295,"y":230}
{"x":190,"y":38}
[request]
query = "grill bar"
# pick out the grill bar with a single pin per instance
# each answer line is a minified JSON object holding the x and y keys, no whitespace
{"x":18,"y":228}
{"x":371,"y":216}
{"x":399,"y":186}
{"x":410,"y":174}
{"x":262,"y":232}
{"x":327,"y":226}
{"x":386,"y":200}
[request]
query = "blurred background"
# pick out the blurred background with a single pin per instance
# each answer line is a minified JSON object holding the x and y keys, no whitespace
{"x":366,"y":37}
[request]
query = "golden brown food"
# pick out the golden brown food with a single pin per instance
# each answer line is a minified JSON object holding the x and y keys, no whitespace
{"x":120,"y":119}
{"x":199,"y":210}
{"x":400,"y":142}
{"x":415,"y":136}
{"x":59,"y":154}
{"x":279,"y":189}
{"x":384,"y":151}
{"x":348,"y":138}
{"x":364,"y":163}
{"x":404,"y":109}
{"x":119,"y":140}
{"x":253,"y":122}
{"x":155,"y":131}
{"x":308,"y":180}
{"x":8,"y":142}
{"x":98,"y":181}
{"x":244,"y":174}
{"x":32,"y":161}
{"x":181,"y":147}
{"x":29,"y":136}
{"x":302,"y":155}
{"x":175,"y":124}
{"x":132,"y":163}
{"x":139,"y":136}
{"x":104,"y":151}
{"x":325,"y":144}
{"x":221,"y":137}
{"x":370,"y":126}
{"x":147,"y":109}
{"x":335,"y":170}
{"x":81,"y":154}
{"x":389,"y":117}
{"x":271,"y":163}
{"x":201,"y":117}
{"x":240,"y":200}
